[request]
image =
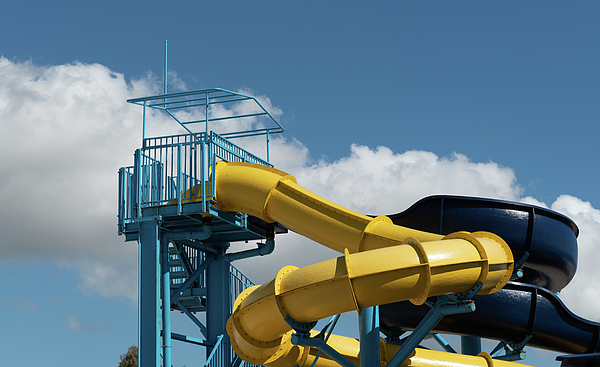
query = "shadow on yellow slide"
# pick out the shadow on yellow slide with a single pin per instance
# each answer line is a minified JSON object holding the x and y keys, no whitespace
{"x":382,"y":263}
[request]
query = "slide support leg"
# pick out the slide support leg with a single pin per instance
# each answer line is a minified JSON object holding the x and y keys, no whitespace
{"x":437,"y":312}
{"x":369,"y":337}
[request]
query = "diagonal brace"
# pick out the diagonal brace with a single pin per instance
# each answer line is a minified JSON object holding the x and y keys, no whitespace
{"x":445,"y":305}
{"x":177,"y":293}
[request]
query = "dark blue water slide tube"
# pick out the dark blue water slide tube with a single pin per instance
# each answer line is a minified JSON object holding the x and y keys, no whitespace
{"x":546,"y":240}
{"x":544,"y":244}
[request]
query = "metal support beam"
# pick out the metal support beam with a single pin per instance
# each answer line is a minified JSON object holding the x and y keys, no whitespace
{"x":149,"y":294}
{"x":218,"y":301}
{"x":191,"y":279}
{"x":437,"y":312}
{"x":368,"y":325}
{"x":443,"y":343}
{"x":166,"y":302}
{"x":470,"y":345}
{"x":304,"y":339}
{"x":194,"y":319}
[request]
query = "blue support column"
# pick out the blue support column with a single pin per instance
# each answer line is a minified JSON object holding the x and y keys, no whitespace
{"x":149,"y":297}
{"x":470,"y":345}
{"x":368,"y":324}
{"x":218,"y":302}
{"x":166,"y":303}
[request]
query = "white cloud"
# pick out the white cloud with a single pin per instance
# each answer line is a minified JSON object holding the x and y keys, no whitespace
{"x":64,"y":132}
{"x":583,"y":293}
{"x":380,"y":181}
{"x":66,"y":129}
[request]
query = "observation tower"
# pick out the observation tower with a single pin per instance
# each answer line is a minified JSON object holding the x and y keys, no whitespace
{"x":166,"y":203}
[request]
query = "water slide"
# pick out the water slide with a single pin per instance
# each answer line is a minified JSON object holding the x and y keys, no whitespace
{"x":529,"y":308}
{"x":382,"y":263}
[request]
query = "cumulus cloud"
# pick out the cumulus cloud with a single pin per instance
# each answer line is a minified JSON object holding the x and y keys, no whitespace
{"x":583,"y":293}
{"x":64,"y":132}
{"x":381,"y":181}
{"x":66,"y":129}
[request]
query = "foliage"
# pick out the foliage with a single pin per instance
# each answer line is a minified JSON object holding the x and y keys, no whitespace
{"x":129,"y":359}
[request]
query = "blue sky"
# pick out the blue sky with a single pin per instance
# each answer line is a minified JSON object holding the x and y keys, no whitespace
{"x":508,"y":90}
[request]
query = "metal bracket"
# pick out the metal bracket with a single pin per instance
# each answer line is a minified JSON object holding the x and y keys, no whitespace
{"x":392,"y":337}
{"x":302,"y":337}
{"x":152,"y":218}
{"x":518,"y":267}
{"x":442,"y":342}
{"x":445,"y":305}
{"x":299,"y":327}
{"x":321,"y":345}
{"x":513,"y":351}
{"x":325,"y":334}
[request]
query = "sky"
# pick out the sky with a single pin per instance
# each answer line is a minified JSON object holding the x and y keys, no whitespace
{"x":383,"y":103}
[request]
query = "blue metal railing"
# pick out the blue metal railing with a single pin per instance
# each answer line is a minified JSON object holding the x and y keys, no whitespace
{"x":238,"y":283}
{"x":126,"y":202}
{"x":216,"y":358}
{"x":199,"y":103}
{"x":171,"y":170}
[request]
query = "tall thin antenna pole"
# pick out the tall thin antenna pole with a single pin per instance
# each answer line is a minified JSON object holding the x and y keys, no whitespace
{"x":165,"y":78}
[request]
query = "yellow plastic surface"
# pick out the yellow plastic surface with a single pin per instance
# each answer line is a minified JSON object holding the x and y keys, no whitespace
{"x":382,"y":263}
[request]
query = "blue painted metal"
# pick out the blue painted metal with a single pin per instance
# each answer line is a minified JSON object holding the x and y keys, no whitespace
{"x":218,"y":301}
{"x":183,"y":259}
{"x":319,"y":343}
{"x":512,"y":351}
{"x":435,"y":314}
{"x":171,"y":103}
{"x":326,"y":333}
{"x":166,"y":303}
{"x":214,"y":357}
{"x":165,"y":69}
{"x":299,"y":327}
{"x":470,"y":345}
{"x":149,"y":297}
{"x":189,"y":339}
{"x":443,"y":343}
{"x":368,"y":327}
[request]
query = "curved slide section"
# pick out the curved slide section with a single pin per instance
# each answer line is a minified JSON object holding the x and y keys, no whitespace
{"x":350,"y":348}
{"x":382,"y":263}
{"x":548,"y":239}
{"x":274,"y":196}
{"x":518,"y":310}
{"x":511,"y":314}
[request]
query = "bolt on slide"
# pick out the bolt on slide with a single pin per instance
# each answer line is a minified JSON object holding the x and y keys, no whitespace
{"x":382,"y":263}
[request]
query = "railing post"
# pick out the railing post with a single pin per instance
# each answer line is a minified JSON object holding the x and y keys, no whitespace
{"x":122,"y":189}
{"x":144,"y":124}
{"x":179,"y":178}
{"x":204,"y":171}
{"x":268,"y":153}
{"x":137,"y":172}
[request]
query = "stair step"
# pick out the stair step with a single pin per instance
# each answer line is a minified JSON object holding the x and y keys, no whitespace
{"x":178,"y":275}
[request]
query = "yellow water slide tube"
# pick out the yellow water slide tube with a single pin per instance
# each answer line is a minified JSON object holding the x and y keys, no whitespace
{"x":382,"y":263}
